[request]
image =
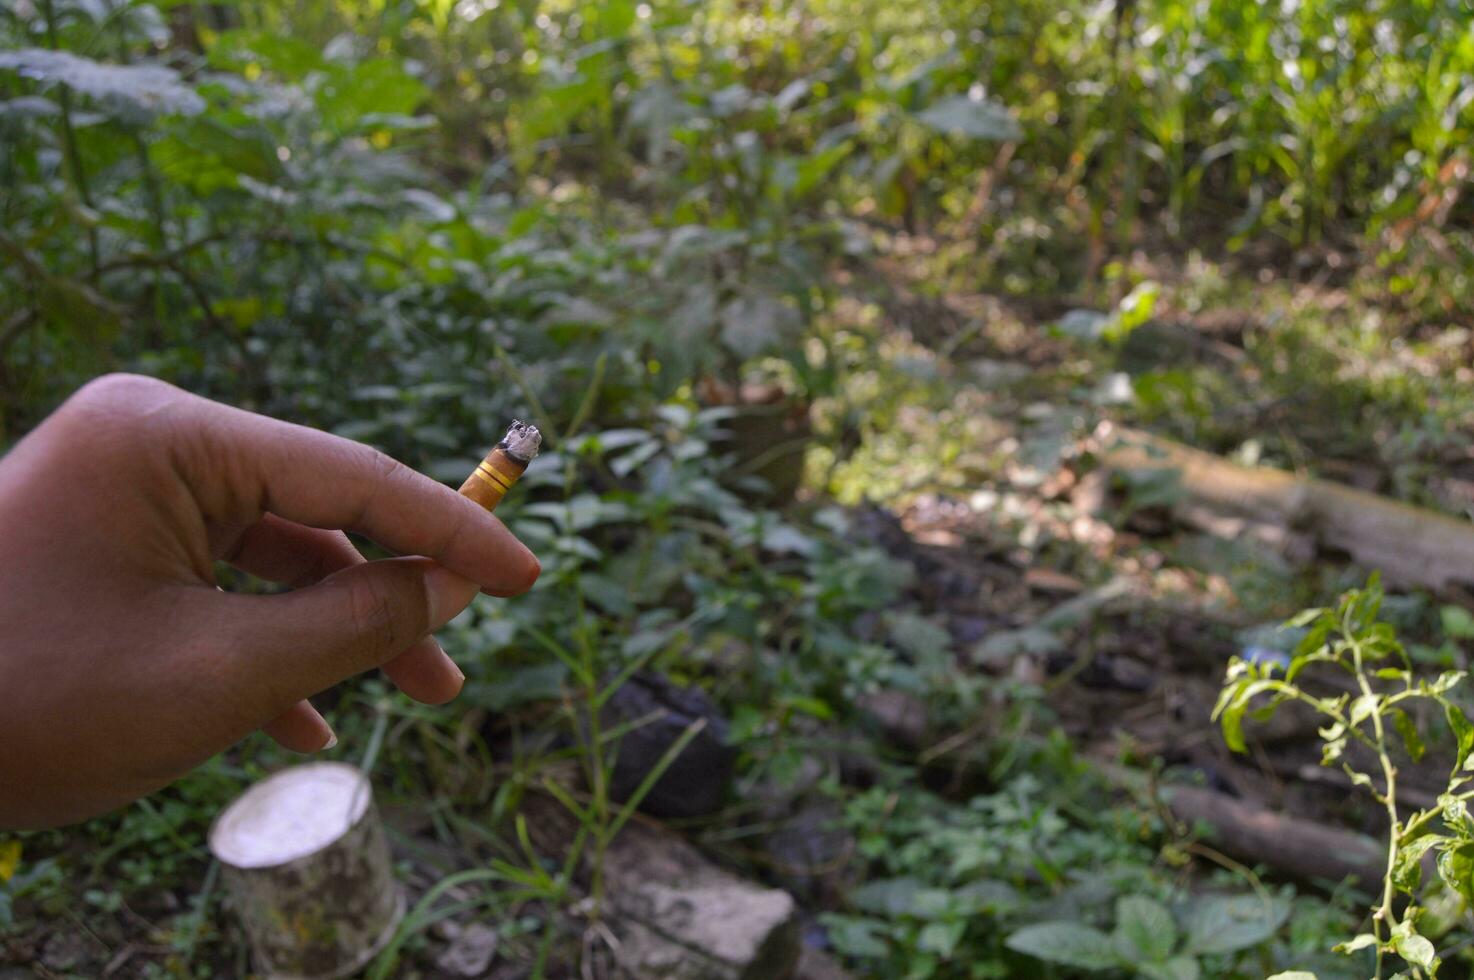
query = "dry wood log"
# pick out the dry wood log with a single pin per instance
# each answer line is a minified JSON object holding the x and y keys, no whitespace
{"x":1411,"y":546}
{"x":676,"y":915}
{"x":1292,"y":845}
{"x":1287,"y":844}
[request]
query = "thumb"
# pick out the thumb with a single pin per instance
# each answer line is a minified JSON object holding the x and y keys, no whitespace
{"x":307,"y":640}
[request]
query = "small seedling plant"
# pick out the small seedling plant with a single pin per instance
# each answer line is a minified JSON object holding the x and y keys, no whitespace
{"x":1375,"y":714}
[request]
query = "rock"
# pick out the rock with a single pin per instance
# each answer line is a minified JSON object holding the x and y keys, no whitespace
{"x":811,"y":849}
{"x":681,"y":917}
{"x":969,"y":630}
{"x":776,"y":797}
{"x":470,"y":952}
{"x":674,"y":914}
{"x":899,"y":716}
{"x":64,"y":951}
{"x":815,"y":964}
{"x":696,"y":783}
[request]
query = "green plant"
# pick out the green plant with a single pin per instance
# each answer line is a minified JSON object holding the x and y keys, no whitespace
{"x":1148,"y":941}
{"x":1375,"y":717}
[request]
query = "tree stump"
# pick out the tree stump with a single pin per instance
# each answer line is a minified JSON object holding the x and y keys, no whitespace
{"x":307,"y":869}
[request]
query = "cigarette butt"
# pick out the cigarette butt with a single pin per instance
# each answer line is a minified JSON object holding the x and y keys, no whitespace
{"x":503,"y":466}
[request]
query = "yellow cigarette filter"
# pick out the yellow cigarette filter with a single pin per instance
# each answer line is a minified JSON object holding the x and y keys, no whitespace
{"x":503,"y":466}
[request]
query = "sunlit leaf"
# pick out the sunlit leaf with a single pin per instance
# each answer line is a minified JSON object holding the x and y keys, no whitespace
{"x":1415,"y":949}
{"x":1145,"y":930}
{"x":1409,"y":732}
{"x":10,"y":851}
{"x":135,"y":90}
{"x":1227,"y":923}
{"x":756,"y":323}
{"x":1068,"y":943}
{"x":1177,"y":968}
{"x":979,"y":118}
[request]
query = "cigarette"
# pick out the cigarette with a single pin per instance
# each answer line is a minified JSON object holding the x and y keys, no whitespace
{"x":503,"y":466}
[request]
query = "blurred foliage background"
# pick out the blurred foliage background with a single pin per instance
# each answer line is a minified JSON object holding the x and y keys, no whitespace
{"x":755,"y":266}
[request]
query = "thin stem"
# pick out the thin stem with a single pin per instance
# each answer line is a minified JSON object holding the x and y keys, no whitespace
{"x":69,"y":137}
{"x":1384,"y":915}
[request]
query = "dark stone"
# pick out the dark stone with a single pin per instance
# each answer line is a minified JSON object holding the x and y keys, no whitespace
{"x":899,"y":716}
{"x":810,"y":851}
{"x":968,"y":631}
{"x":814,"y":964}
{"x":696,"y":783}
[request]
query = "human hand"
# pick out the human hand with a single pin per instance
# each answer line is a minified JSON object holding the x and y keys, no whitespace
{"x":122,"y":666}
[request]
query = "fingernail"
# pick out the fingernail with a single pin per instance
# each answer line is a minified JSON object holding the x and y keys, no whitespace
{"x":446,"y":594}
{"x":332,"y":741}
{"x":446,"y":659}
{"x":460,"y":675}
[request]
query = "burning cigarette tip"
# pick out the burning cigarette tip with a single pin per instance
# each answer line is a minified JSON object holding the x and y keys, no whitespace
{"x":522,"y":441}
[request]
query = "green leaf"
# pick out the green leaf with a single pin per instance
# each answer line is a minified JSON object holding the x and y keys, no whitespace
{"x":1415,"y":949}
{"x":145,"y":90}
{"x":814,"y":168}
{"x":903,"y":897}
{"x":1407,"y":868}
{"x":857,"y":937}
{"x":1145,"y":930}
{"x":28,"y":107}
{"x":518,"y":686}
{"x":1463,"y":732}
{"x":1456,"y":868}
{"x":1458,"y":623}
{"x":1361,"y":942}
{"x":757,"y":322}
{"x":347,"y":94}
{"x":962,"y":115}
{"x":1304,"y":618}
{"x":1231,"y":709}
{"x":1177,"y":968}
{"x":289,"y":58}
{"x":1363,"y":708}
{"x":941,"y":938}
{"x":1228,"y":923}
{"x":1068,"y":943}
{"x":1134,"y":310}
{"x":1084,"y":324}
{"x":1409,"y":733}
{"x":71,"y":306}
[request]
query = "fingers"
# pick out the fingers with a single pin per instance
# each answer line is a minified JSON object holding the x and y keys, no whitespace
{"x":301,"y":729}
{"x":238,"y":466}
{"x":280,"y":551}
{"x":323,"y":481}
{"x":291,"y":645}
{"x":426,"y":673}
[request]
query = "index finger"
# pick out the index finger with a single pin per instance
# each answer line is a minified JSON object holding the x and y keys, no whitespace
{"x":325,"y":481}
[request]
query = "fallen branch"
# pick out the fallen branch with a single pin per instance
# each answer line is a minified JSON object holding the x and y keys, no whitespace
{"x":1410,"y":545}
{"x":1296,"y":847}
{"x":1289,"y":845}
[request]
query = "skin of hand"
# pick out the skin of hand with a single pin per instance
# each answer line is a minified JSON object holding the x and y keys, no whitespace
{"x":122,"y":666}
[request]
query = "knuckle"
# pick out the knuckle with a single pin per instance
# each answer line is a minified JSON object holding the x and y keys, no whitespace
{"x":383,"y":466}
{"x":126,"y":394}
{"x":382,"y":470}
{"x":381,"y":617}
{"x":119,"y":410}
